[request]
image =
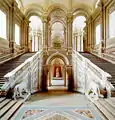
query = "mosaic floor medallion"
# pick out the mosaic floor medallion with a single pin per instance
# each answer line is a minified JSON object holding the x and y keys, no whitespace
{"x":30,"y":112}
{"x":86,"y":113}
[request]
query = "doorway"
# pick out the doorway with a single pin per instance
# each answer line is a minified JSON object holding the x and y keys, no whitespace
{"x":57,"y":76}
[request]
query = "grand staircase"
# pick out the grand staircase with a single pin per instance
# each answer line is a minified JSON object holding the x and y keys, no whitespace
{"x":10,"y":65}
{"x":8,"y":107}
{"x":107,"y":107}
{"x":103,"y":64}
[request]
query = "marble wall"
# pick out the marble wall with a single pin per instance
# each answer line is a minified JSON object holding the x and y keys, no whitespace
{"x":13,"y":16}
{"x":100,"y":15}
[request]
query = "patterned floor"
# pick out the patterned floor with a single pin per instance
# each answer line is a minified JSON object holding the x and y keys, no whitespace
{"x":57,"y":106}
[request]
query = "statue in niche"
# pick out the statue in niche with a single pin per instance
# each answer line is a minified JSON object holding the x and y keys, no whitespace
{"x":57,"y":71}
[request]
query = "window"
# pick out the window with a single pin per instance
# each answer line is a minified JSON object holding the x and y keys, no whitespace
{"x":112,"y":24}
{"x":98,"y":34}
{"x":17,"y":34}
{"x":2,"y":25}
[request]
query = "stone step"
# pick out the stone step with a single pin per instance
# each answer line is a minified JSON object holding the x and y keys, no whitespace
{"x":109,"y":107}
{"x":2,"y":98}
{"x":104,"y":111}
{"x":110,"y":102}
{"x":5,"y":102}
{"x":7,"y":107}
{"x":12,"y":110}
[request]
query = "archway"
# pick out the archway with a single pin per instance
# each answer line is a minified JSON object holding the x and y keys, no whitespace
{"x":57,"y":75}
{"x":79,"y":33}
{"x":66,"y":70}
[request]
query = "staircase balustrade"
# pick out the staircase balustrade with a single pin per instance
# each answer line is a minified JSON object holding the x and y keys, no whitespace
{"x":86,"y":72}
{"x":26,"y":71}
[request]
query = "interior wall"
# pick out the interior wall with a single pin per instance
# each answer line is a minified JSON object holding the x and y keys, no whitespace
{"x":100,"y":14}
{"x":14,"y":16}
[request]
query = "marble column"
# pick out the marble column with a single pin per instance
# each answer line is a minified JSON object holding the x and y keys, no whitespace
{"x":45,"y":31}
{"x":12,"y":27}
{"x":76,"y":39}
{"x":44,"y":83}
{"x":89,"y":34}
{"x":103,"y":30}
{"x":38,"y":39}
{"x":65,"y":41}
{"x":70,"y":78}
{"x":69,"y":24}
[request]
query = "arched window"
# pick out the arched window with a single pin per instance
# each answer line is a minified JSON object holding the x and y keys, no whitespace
{"x":17,"y":34}
{"x":3,"y":25}
{"x":78,"y":32}
{"x":112,"y":24}
{"x":98,"y":34}
{"x":36,"y":30}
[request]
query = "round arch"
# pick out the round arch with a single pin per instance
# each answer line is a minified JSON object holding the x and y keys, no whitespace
{"x":55,"y":6}
{"x":57,"y":55}
{"x":83,"y":10}
{"x":33,"y":9}
{"x":62,"y":22}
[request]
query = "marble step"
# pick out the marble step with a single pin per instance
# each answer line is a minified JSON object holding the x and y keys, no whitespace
{"x":2,"y":98}
{"x":111,"y":102}
{"x":12,"y":64}
{"x":7,"y":107}
{"x":106,"y":111}
{"x":109,"y":107}
{"x":5,"y":102}
{"x":110,"y":57}
{"x":11,"y":111}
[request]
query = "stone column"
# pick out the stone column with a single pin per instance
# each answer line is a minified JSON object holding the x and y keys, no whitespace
{"x":65,"y":37}
{"x":69,"y":25}
{"x":81,"y":41}
{"x":38,"y":38}
{"x":34,"y":41}
{"x":45,"y":32}
{"x":30,"y":43}
{"x":44,"y":78}
{"x":49,"y":37}
{"x":12,"y":26}
{"x":70,"y":78}
{"x":89,"y":34}
{"x":76,"y":42}
{"x":103,"y":38}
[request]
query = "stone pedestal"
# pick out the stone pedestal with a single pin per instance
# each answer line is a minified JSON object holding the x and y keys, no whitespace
{"x":44,"y":78}
{"x":70,"y":78}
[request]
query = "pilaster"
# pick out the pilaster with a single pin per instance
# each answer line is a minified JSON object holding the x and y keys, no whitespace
{"x":69,"y":31}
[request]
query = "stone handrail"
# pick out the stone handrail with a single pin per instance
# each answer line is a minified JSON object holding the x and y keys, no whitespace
{"x":22,"y":72}
{"x":86,"y":72}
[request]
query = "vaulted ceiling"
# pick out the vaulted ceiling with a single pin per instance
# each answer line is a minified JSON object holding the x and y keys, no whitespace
{"x":64,"y":3}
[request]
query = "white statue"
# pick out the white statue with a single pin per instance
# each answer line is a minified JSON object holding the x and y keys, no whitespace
{"x":20,"y":88}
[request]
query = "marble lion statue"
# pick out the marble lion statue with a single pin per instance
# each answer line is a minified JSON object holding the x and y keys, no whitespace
{"x":94,"y":89}
{"x":19,"y":89}
{"x":96,"y":86}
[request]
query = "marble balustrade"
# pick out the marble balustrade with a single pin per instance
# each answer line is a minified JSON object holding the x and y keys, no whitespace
{"x":85,"y":72}
{"x":29,"y":70}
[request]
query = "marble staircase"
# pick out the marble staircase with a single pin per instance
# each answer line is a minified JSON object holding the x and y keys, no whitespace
{"x":109,"y":56}
{"x":107,"y":107}
{"x":103,"y":64}
{"x":8,"y":107}
{"x":12,"y":64}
